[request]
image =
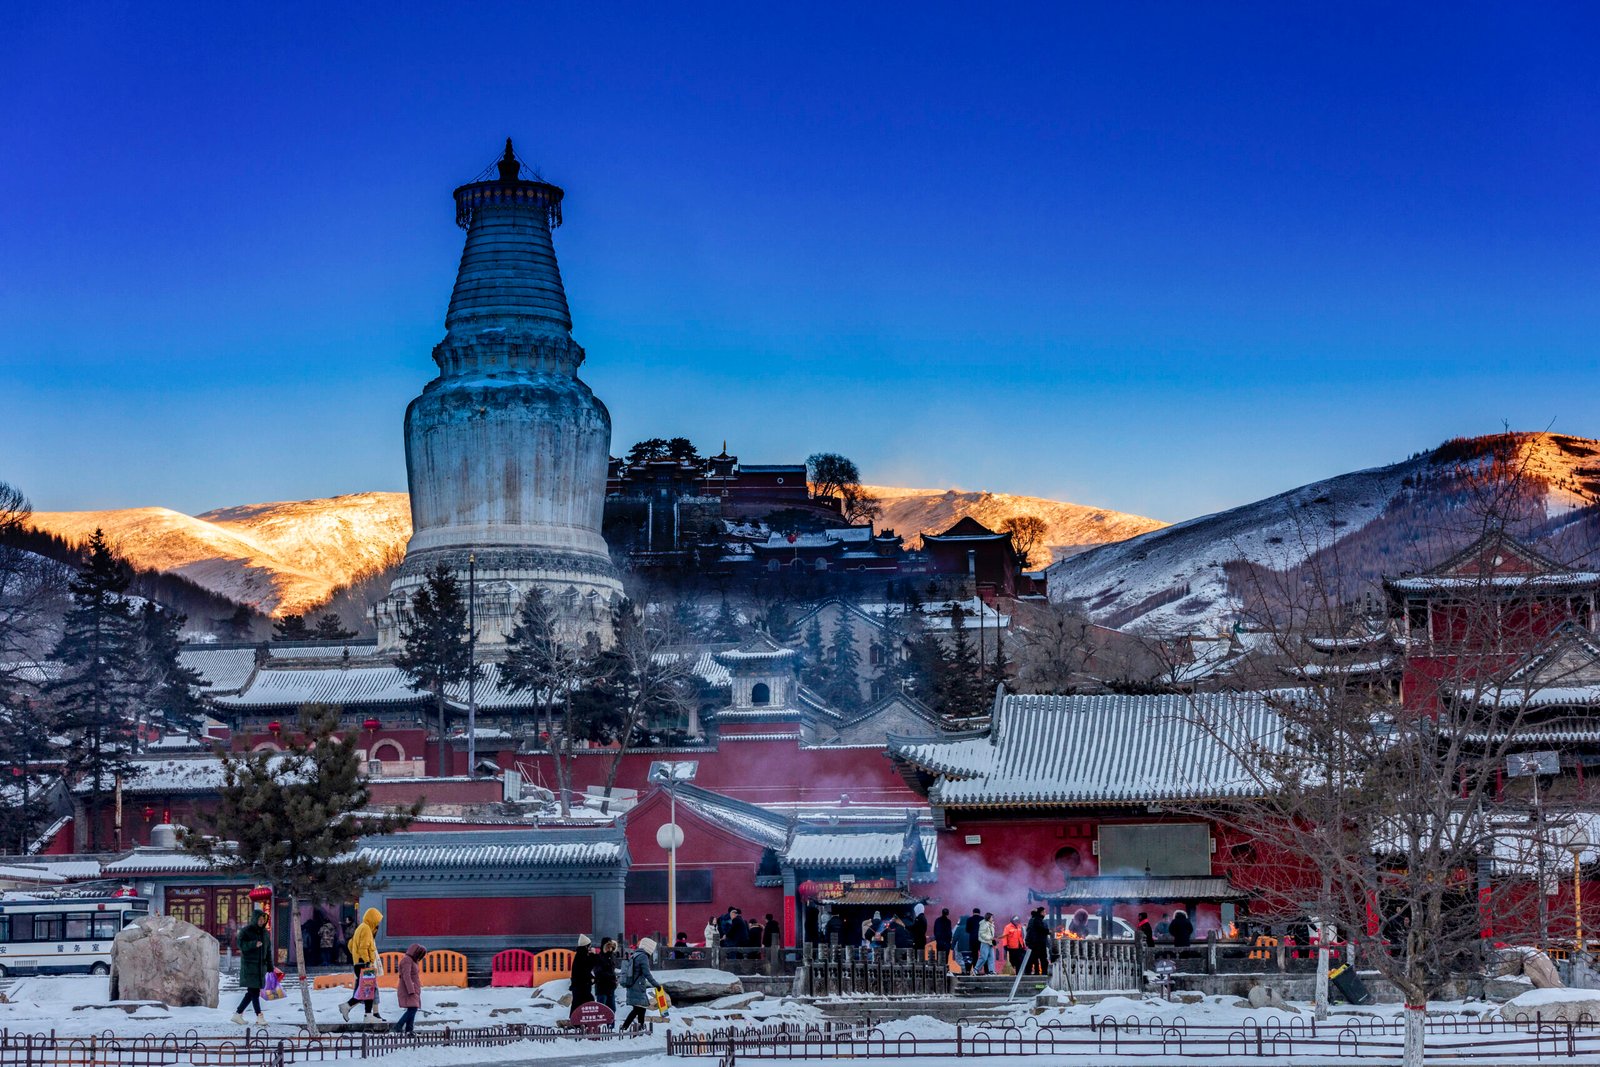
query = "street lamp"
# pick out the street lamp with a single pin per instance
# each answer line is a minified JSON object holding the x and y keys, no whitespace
{"x":1578,"y":843}
{"x":669,"y":774}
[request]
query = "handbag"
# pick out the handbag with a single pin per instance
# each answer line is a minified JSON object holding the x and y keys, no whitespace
{"x":272,"y":988}
{"x":367,"y":986}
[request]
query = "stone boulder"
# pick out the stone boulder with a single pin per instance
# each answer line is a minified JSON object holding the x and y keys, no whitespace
{"x":1553,"y":1005}
{"x":695,"y":985}
{"x":1531,"y":964}
{"x":165,"y":959}
{"x":1264,"y":996}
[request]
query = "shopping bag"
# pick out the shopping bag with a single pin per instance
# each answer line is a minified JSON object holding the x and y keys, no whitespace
{"x":663,"y":1002}
{"x":367,"y":985}
{"x":272,"y":988}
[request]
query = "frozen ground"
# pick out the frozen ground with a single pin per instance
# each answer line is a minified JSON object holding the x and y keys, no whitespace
{"x":77,"y":1006}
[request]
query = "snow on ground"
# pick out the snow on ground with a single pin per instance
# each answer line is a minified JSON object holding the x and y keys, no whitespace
{"x":76,"y":1005}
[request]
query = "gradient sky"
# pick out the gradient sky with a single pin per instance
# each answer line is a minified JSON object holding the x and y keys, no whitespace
{"x":1165,"y":258}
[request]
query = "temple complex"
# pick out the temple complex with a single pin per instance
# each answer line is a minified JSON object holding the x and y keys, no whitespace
{"x":506,"y":450}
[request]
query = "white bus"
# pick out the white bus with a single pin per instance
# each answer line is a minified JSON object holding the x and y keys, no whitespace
{"x":63,"y":935}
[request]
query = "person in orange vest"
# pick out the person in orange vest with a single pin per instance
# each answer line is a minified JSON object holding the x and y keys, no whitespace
{"x":1011,"y":941}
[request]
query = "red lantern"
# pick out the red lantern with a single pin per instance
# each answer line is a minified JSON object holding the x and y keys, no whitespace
{"x":372,"y":724}
{"x":275,"y":727}
{"x":260,"y":893}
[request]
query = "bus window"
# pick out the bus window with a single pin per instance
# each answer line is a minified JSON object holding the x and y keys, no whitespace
{"x":78,"y":926}
{"x":5,"y":928}
{"x":47,"y":928}
{"x":106,"y":927}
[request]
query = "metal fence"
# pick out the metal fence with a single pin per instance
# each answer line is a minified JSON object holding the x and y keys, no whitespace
{"x":896,"y":972}
{"x":256,"y":1050}
{"x":1099,"y":966}
{"x":1463,"y":1039}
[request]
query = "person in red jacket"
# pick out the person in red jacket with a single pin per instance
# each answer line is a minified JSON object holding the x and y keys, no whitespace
{"x":408,"y":990}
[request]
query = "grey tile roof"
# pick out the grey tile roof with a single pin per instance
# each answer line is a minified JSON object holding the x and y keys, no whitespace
{"x":1054,"y":750}
{"x":1136,"y":887}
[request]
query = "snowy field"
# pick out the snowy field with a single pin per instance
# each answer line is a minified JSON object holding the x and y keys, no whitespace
{"x":1165,"y":1033}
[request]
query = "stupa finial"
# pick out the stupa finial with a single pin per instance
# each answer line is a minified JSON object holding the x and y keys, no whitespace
{"x":510,"y":168}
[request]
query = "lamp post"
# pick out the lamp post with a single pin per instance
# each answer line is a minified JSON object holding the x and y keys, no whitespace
{"x":670,"y":774}
{"x":1578,"y":843}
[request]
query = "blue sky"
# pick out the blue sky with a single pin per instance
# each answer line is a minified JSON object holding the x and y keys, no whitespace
{"x":1165,"y":257}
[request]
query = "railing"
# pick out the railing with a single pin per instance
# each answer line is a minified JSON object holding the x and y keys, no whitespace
{"x":751,"y":960}
{"x":1272,"y":1038}
{"x":256,"y":1049}
{"x":1099,"y":966}
{"x":891,"y":972}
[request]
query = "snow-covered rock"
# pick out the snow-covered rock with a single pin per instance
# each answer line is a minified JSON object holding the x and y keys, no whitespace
{"x":742,"y":1000}
{"x":696,"y":984}
{"x":1554,"y":1005}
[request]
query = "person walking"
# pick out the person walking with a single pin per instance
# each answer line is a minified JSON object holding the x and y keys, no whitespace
{"x":1037,"y":939}
{"x":919,"y":931}
{"x":254,"y":956}
{"x":363,"y":947}
{"x":969,"y":940}
{"x":986,"y":939}
{"x":1011,"y":941}
{"x":771,"y":932}
{"x":1144,"y":931}
{"x":408,"y":989}
{"x":327,"y":936}
{"x":712,"y":934}
{"x":943,"y":935}
{"x":639,"y":982}
{"x":1181,"y":929}
{"x":581,"y":983}
{"x":605,"y":975}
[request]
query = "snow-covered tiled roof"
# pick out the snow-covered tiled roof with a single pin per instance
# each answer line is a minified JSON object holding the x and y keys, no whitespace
{"x":1336,"y":669}
{"x":845,"y":849}
{"x":222,"y":670}
{"x":478,"y":854}
{"x":293,"y":651}
{"x":1425,"y":583}
{"x":759,"y":649}
{"x":1144,"y":888}
{"x":748,"y":821}
{"x":1044,"y":750}
{"x":155,"y":861}
{"x":705,"y":665}
{"x":35,"y":875}
{"x":277,"y":687}
{"x":175,"y":774}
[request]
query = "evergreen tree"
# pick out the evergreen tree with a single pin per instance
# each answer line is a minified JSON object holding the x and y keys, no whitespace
{"x":814,"y":657}
{"x":844,"y":668}
{"x":927,"y":670}
{"x":294,"y":820}
{"x":963,"y":695}
{"x":238,"y":626}
{"x":331,"y":628}
{"x":168,"y":691}
{"x":93,"y":697}
{"x":434,"y":649}
{"x":291,"y":628}
{"x":777,"y":624}
{"x":24,"y":742}
{"x":726,"y":625}
{"x":999,"y":670}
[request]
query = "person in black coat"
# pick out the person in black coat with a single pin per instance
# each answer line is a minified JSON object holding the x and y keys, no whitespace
{"x":1181,"y":929}
{"x":582,"y":978}
{"x":1037,"y":938}
{"x":1144,"y":931}
{"x":771,"y":932}
{"x":919,"y":931}
{"x":604,"y":970}
{"x":902,"y":936}
{"x":738,"y":935}
{"x":942,"y":933}
{"x":969,"y":942}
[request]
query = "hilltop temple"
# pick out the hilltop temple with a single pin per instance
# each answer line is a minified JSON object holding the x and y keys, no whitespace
{"x":506,"y":450}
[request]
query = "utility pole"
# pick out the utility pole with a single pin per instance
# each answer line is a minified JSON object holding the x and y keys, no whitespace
{"x":472,"y":665}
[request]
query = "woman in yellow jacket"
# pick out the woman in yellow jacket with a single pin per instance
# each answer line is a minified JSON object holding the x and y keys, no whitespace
{"x":364,"y":954}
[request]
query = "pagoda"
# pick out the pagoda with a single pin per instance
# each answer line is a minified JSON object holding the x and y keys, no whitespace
{"x":506,"y":449}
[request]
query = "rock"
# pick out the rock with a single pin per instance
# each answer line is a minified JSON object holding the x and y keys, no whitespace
{"x":505,"y":1011}
{"x":1189,"y":996}
{"x":732,"y":1003}
{"x":1540,"y":971}
{"x":694,"y":985}
{"x":165,"y":959}
{"x":1264,"y":996}
{"x":1553,"y":1005}
{"x":558,"y":991}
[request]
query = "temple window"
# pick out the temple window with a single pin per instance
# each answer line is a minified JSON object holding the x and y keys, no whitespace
{"x":760,"y":693}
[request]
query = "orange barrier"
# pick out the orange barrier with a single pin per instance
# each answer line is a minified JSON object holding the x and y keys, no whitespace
{"x":331,"y":981}
{"x":513,"y":967}
{"x":1262,"y":945}
{"x":551,"y":964}
{"x":440,"y":968}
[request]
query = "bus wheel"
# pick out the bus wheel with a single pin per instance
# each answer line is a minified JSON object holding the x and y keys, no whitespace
{"x":4,"y":973}
{"x":99,"y":968}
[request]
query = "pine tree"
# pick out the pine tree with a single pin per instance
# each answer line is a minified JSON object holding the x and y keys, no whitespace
{"x":726,"y":625}
{"x":928,"y":670}
{"x":291,"y":628}
{"x":331,"y":628}
{"x":168,"y":691}
{"x":963,"y":695}
{"x":434,"y":649}
{"x":238,"y":626}
{"x":844,"y":667}
{"x":814,"y":657}
{"x":93,"y":696}
{"x":293,"y":820}
{"x":999,"y":670}
{"x":777,"y":624}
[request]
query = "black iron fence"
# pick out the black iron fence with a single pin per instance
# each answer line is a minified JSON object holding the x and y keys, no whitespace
{"x":842,"y":971}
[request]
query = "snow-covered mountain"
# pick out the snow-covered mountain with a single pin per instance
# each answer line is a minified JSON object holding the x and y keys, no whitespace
{"x":280,"y":557}
{"x":1195,"y":576}
{"x":288,"y":556}
{"x":1072,"y":527}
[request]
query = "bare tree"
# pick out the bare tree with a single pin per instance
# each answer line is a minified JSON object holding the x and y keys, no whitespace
{"x":650,"y":680}
{"x":32,"y":593}
{"x":1384,"y":817}
{"x":542,"y":659}
{"x":1027,"y":538}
